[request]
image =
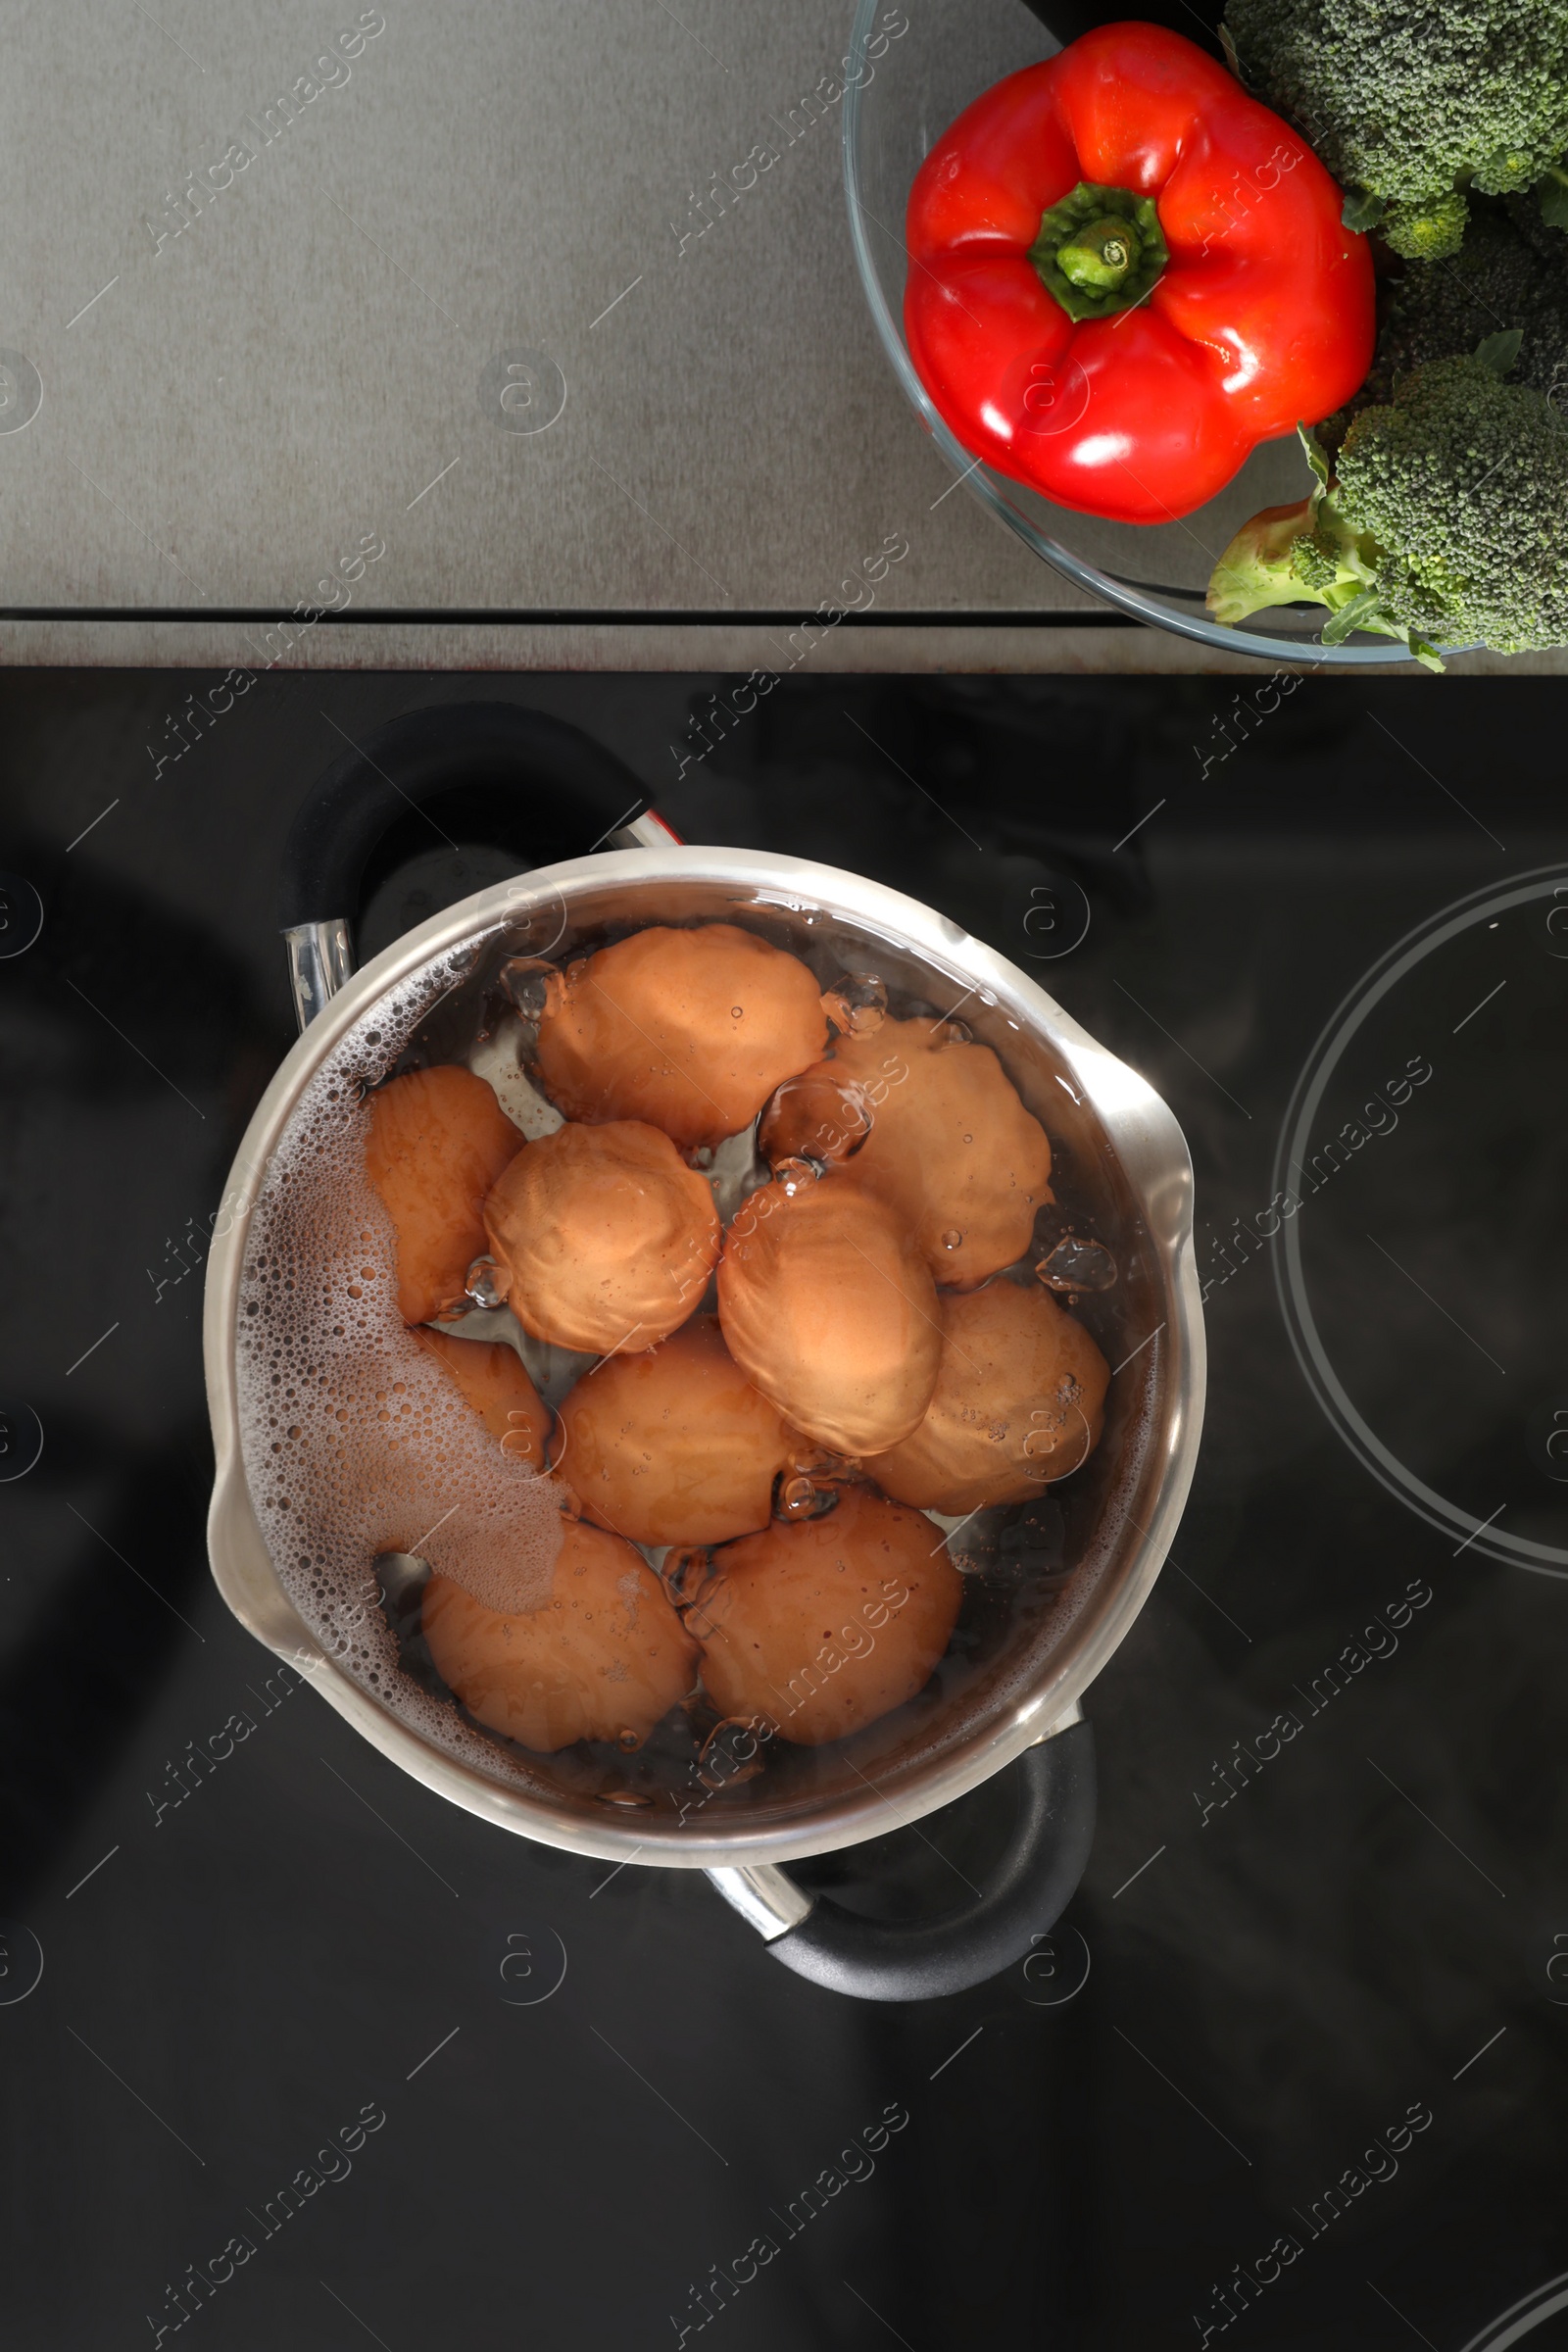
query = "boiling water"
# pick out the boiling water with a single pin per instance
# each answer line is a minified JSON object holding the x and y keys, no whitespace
{"x":364,"y":1461}
{"x":356,"y":1443}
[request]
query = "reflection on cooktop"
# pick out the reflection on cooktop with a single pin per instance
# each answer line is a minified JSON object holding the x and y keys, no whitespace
{"x":302,"y":2052}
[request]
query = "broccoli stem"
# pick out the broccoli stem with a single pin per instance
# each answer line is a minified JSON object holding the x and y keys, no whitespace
{"x":1303,"y":554}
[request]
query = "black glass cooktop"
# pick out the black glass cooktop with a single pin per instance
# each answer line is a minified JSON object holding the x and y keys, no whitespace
{"x":295,"y":2052}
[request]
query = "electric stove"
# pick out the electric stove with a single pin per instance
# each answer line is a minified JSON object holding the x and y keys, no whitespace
{"x":296,"y":2052}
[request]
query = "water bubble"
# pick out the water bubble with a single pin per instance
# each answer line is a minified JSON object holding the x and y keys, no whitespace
{"x":625,"y":1798}
{"x":858,"y":1004}
{"x":480,"y":1284}
{"x":794,"y":1175}
{"x":1077,"y":1264}
{"x":952,"y":1239}
{"x":737,"y":1012}
{"x":800,"y":1497}
{"x":815,"y":1116}
{"x":629,"y":1740}
{"x":955,"y":1033}
{"x":524,"y":981}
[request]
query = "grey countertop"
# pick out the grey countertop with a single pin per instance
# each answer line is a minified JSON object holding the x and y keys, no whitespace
{"x":488,"y":218}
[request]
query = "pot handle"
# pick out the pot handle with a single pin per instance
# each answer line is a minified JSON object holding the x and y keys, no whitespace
{"x":1029,"y":1890}
{"x":516,"y":777}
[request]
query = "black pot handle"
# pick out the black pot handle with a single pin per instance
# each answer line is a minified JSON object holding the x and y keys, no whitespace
{"x":517,"y":778}
{"x":1029,"y":1890}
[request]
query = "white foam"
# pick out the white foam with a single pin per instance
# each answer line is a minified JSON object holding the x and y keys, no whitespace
{"x":355,"y":1441}
{"x":496,"y":1059}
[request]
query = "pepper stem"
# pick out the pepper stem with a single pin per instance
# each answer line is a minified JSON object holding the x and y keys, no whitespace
{"x":1101,"y":258}
{"x":1099,"y":251}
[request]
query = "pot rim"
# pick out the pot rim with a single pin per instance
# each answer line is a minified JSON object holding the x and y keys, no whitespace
{"x":1154,"y":1155}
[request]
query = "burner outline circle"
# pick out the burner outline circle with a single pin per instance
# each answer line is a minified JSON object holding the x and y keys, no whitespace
{"x":1523,"y":2317}
{"x":1538,"y":884}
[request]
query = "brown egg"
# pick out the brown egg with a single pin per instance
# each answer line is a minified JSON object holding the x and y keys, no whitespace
{"x":691,"y":1030}
{"x":491,"y":1377}
{"x":438,"y":1139}
{"x":604,"y":1656}
{"x":823,"y":1626}
{"x":1019,"y":1399}
{"x":952,"y":1149}
{"x":828,"y":1307}
{"x":675,"y":1446}
{"x":604,"y":1239}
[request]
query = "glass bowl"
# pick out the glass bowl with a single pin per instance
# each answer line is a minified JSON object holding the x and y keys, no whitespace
{"x":901,"y":103}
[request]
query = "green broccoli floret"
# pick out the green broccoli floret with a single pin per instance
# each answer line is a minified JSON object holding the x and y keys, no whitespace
{"x":1412,"y":103}
{"x":1448,"y":520}
{"x":1315,"y":560}
{"x":1511,"y":273}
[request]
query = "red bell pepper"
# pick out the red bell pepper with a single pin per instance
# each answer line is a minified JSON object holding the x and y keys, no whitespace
{"x":1124,"y":274}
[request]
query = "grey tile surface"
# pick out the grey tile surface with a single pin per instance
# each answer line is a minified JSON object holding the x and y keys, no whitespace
{"x":229,"y":406}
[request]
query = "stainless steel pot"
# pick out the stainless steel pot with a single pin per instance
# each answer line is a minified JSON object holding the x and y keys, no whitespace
{"x":1020,"y":1706}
